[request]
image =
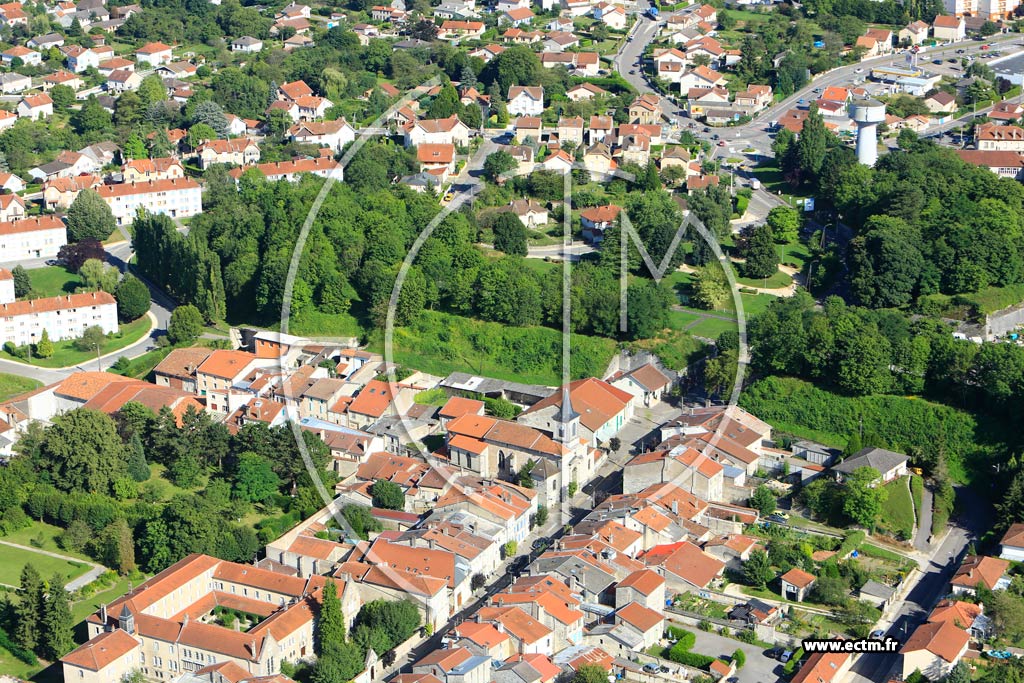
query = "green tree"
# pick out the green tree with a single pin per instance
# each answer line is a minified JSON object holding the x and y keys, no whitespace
{"x":118,"y":547}
{"x":99,"y":276}
{"x":134,"y":147}
{"x":960,"y":673}
{"x":83,"y":452}
{"x":862,"y":500}
{"x":590,"y":673}
{"x":388,"y":495}
{"x":44,"y":348}
{"x":185,"y":326}
{"x":89,"y":217}
{"x":762,"y":260}
{"x":132,"y":298}
{"x":255,"y":480}
{"x":710,"y":288}
{"x":211,"y":114}
{"x":757,"y":570}
{"x":763,"y":500}
{"x":138,"y":468}
{"x":29,"y":609}
{"x":813,"y":142}
{"x":518,"y":65}
{"x":22,"y":281}
{"x":63,"y":97}
{"x":784,"y":223}
{"x":152,"y":89}
{"x":91,"y":340}
{"x":830,"y":590}
{"x":509,"y":234}
{"x":330,"y":627}
{"x":498,"y":163}
{"x":92,"y":118}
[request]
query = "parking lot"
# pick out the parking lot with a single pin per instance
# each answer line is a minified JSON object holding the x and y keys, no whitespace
{"x":758,"y":669}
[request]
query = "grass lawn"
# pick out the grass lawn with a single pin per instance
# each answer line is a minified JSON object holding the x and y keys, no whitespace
{"x":771,"y":177}
{"x":86,"y":606}
{"x":710,"y":328}
{"x":54,"y":281}
{"x":65,"y":353}
{"x":13,"y":560}
{"x":540,"y":266}
{"x":898,"y":509}
{"x":755,"y":303}
{"x":12,"y":385}
{"x":795,"y":253}
{"x":776,"y":281}
{"x":140,"y":366}
{"x":680,"y":319}
{"x":41,"y":531}
{"x":316,"y":324}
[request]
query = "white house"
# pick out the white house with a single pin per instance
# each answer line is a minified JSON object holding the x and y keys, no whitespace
{"x":154,"y":54}
{"x":450,"y":130}
{"x":176,"y":197}
{"x":35,"y":107}
{"x":1012,"y":545}
{"x":32,"y":238}
{"x":933,"y":649}
{"x":525,"y":100}
{"x":246,"y":44}
{"x":292,"y":170}
{"x":27,"y":56}
{"x":334,"y":134}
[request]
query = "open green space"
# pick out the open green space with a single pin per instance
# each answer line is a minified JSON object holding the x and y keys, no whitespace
{"x":54,"y":281}
{"x":312,"y":323}
{"x":712,"y":327}
{"x":13,"y":560}
{"x":773,"y":181}
{"x":777,"y":281}
{"x":441,"y":343}
{"x":65,"y":354}
{"x":12,"y":385}
{"x":909,"y":423}
{"x":897,"y":517}
{"x":992,"y":299}
{"x":42,"y":536}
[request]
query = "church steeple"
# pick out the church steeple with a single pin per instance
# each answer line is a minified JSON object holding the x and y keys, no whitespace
{"x":126,"y":620}
{"x":568,"y":420}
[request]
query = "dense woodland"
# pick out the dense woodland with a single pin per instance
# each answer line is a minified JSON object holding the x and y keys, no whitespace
{"x":137,"y":490}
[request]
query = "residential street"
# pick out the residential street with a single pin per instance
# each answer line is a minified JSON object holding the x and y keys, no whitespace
{"x":929,"y":589}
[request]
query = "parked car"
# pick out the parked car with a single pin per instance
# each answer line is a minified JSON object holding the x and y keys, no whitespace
{"x":786,"y":656}
{"x":877,"y":633}
{"x":651,"y":668}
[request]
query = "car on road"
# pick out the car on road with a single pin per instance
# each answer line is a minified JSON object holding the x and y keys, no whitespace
{"x":773,"y":653}
{"x":632,"y":71}
{"x":952,"y":60}
{"x":961,"y":51}
{"x":651,"y":668}
{"x":936,"y":61}
{"x":721,"y":143}
{"x":540,"y":543}
{"x":858,"y":70}
{"x":777,"y":519}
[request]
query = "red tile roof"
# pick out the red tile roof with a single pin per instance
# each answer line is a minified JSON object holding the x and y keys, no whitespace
{"x":798,"y":577}
{"x":942,"y":639}
{"x":101,"y":651}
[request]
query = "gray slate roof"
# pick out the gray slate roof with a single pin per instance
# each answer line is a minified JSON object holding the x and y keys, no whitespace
{"x":876,"y":458}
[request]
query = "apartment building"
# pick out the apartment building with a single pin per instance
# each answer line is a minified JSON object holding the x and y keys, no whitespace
{"x":175,"y":197}
{"x":32,"y":238}
{"x":63,"y":317}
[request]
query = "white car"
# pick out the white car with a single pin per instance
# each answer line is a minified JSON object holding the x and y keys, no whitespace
{"x":858,"y":70}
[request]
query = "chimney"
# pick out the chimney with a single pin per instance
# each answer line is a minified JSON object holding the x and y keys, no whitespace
{"x":103,"y":615}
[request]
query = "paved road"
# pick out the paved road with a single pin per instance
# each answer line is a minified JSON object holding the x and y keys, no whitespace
{"x":924,"y":532}
{"x":932,"y":584}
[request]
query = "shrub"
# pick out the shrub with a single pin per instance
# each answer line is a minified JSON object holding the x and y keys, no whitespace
{"x":790,"y":666}
{"x":739,"y":657}
{"x":705,"y":625}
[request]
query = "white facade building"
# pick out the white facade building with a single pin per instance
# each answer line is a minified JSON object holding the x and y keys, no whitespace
{"x":32,"y":238}
{"x":176,"y":197}
{"x":63,"y":317}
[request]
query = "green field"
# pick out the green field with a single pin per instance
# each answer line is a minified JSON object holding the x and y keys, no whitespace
{"x":54,"y":281}
{"x":898,"y":510}
{"x":316,"y":324}
{"x":776,"y":281}
{"x":65,"y":354}
{"x":711,"y":327}
{"x":13,"y":560}
{"x":42,"y":533}
{"x":12,"y":385}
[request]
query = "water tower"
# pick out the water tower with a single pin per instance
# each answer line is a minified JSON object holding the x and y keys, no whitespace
{"x":867,"y":114}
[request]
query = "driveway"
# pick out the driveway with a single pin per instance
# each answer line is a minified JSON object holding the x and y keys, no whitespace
{"x":758,"y":669}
